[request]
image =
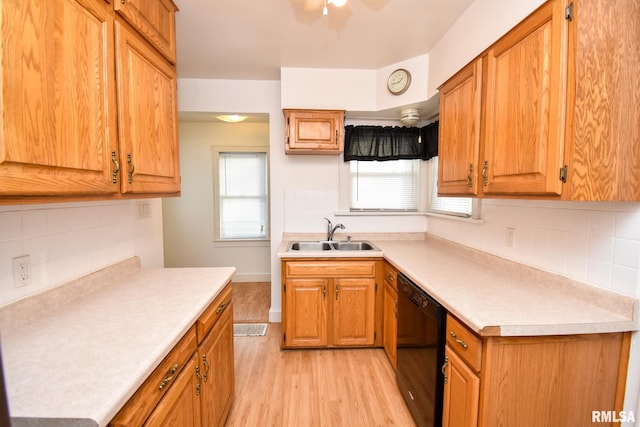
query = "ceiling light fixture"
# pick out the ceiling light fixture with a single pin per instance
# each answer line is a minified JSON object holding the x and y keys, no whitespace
{"x":231,"y":118}
{"x":409,"y":116}
{"x":336,"y":3}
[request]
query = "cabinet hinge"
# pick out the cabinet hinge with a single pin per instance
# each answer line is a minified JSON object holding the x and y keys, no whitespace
{"x":285,"y":288}
{"x":376,"y":289}
{"x":563,"y":173}
{"x":284,"y":337}
{"x":568,"y":12}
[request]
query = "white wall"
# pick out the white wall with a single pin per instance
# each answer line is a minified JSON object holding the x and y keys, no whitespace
{"x":189,"y":220}
{"x":69,"y":240}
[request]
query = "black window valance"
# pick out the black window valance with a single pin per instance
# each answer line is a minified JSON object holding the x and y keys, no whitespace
{"x":381,"y":143}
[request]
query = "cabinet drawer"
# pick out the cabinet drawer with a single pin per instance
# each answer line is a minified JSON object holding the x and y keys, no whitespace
{"x":464,"y":342}
{"x":213,"y":313}
{"x":391,"y":276}
{"x":155,"y":20}
{"x":145,"y":399}
{"x":331,"y":269}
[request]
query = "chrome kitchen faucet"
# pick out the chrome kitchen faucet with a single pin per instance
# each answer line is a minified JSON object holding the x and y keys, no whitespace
{"x":331,"y":229}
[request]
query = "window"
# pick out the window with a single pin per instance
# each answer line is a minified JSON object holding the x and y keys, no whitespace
{"x":384,"y":186}
{"x":459,"y":206}
{"x":242,"y":211}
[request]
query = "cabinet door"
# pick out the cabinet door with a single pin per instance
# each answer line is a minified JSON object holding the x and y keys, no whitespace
{"x":459,"y":132}
{"x":181,"y":405}
{"x":461,"y":393}
{"x":155,"y":20}
{"x":58,"y":127}
{"x":314,"y":131}
{"x":305,"y":305}
{"x":390,"y":328}
{"x":216,"y":362}
{"x":147,"y":117}
{"x":353,"y":311}
{"x":525,"y":106}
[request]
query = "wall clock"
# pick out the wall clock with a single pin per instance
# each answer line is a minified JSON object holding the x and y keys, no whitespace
{"x":399,"y":81}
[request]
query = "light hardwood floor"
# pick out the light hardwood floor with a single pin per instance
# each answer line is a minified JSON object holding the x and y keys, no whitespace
{"x":338,"y":387}
{"x":251,"y":302}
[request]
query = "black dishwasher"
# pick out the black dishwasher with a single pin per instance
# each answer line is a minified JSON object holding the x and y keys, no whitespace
{"x":420,"y":352}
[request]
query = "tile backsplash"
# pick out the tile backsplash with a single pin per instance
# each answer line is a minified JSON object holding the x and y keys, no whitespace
{"x":596,"y":243}
{"x":68,"y":240}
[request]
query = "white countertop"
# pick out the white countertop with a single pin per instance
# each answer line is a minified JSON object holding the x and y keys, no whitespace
{"x":80,"y":363}
{"x":498,"y":297}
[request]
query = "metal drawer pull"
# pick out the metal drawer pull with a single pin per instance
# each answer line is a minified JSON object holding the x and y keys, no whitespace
{"x":324,"y":292}
{"x":459,"y":341}
{"x":470,"y":175}
{"x":337,"y":291}
{"x":172,"y":374}
{"x":222,"y":306}
{"x":485,"y":180}
{"x":390,"y":277}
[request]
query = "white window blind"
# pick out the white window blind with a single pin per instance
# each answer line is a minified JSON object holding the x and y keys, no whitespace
{"x":243,"y":195}
{"x":460,"y":206}
{"x":389,"y":185}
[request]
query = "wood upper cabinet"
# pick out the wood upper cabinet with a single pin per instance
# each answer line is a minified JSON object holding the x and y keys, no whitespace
{"x":459,"y":132}
{"x":559,"y":113}
{"x":148,"y":116}
{"x":58,"y":128}
{"x":86,"y":113}
{"x":329,"y":303}
{"x":525,"y":106}
{"x":314,"y":131}
{"x":155,"y":20}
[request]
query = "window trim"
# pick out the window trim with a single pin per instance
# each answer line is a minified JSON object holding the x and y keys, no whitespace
{"x":216,"y":150}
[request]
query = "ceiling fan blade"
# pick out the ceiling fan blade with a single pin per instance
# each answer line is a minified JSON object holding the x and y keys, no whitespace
{"x":310,"y":5}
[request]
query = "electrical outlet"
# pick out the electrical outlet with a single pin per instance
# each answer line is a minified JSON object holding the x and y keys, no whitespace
{"x":22,"y":271}
{"x":144,"y":210}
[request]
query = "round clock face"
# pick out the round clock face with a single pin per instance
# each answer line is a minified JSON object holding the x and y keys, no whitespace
{"x":399,"y":81}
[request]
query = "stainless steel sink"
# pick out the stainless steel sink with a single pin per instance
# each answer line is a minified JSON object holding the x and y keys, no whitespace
{"x":340,"y":245}
{"x":310,"y":246}
{"x":353,"y":246}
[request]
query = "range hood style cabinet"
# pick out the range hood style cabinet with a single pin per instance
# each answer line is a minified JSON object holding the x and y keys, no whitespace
{"x":88,"y":100}
{"x":551,"y":110}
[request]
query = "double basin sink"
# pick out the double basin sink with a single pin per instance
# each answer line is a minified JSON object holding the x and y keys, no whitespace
{"x":335,"y":245}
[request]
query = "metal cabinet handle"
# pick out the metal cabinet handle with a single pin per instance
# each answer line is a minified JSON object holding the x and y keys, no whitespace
{"x":485,"y":180}
{"x":444,"y":369}
{"x":221,"y":307}
{"x":170,"y":376}
{"x":206,"y":366}
{"x":132,"y":168}
{"x":324,"y":292}
{"x":389,"y":277}
{"x":470,"y":175}
{"x":459,"y":341}
{"x":337,"y":291}
{"x":199,"y":377}
{"x":114,"y":175}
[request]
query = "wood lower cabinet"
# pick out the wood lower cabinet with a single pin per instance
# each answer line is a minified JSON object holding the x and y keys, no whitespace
{"x":194,"y":385}
{"x":390,"y":313}
{"x":180,"y":407}
{"x":314,"y":131}
{"x":533,"y":116}
{"x":532,"y":381}
{"x":217,"y":367}
{"x":329,"y":303}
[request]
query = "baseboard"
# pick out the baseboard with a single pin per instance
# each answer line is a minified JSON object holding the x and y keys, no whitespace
{"x":275,"y":316}
{"x":252,"y":277}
